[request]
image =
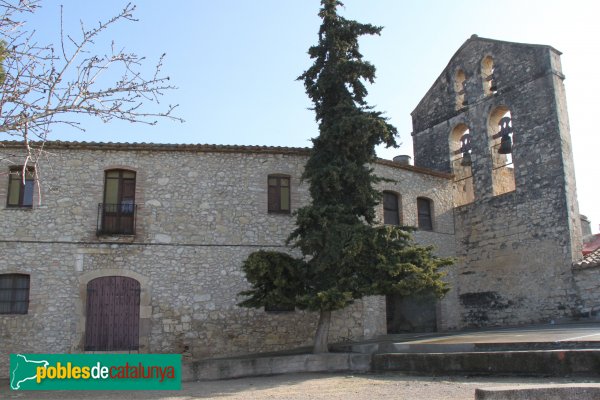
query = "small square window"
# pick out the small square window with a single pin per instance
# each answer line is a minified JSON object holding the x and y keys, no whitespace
{"x":14,"y":293}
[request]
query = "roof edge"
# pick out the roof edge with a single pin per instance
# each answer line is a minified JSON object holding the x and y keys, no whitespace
{"x":119,"y":146}
{"x":205,"y":148}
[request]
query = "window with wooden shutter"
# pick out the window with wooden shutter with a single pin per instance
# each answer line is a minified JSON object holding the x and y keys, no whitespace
{"x":391,"y":212}
{"x":14,"y":293}
{"x":279,"y":194}
{"x":117,"y":213}
{"x":20,"y":191}
{"x":424,"y":214}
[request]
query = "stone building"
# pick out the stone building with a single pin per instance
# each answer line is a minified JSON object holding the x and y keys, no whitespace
{"x":138,"y":247}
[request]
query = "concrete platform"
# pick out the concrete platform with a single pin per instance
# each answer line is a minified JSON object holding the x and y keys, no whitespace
{"x":588,"y":332}
{"x":574,"y":332}
{"x":540,"y":337}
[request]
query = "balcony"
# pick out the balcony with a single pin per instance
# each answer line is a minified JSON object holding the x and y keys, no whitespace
{"x":116,"y":219}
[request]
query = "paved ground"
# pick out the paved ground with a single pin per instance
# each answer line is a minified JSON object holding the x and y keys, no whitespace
{"x":309,"y":386}
{"x":589,"y":332}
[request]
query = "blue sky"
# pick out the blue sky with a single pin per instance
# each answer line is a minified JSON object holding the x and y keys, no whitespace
{"x":235,"y":63}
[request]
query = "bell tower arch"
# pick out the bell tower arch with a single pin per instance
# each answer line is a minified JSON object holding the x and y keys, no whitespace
{"x":517,"y":237}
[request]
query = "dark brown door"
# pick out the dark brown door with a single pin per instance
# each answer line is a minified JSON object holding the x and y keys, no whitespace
{"x":416,"y":313}
{"x":113,"y":314}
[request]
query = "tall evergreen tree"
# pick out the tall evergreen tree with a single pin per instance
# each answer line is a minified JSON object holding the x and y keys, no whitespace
{"x":346,"y":255}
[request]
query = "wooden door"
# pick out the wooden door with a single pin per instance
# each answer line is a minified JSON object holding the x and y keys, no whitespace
{"x":416,"y":313}
{"x":113,"y":314}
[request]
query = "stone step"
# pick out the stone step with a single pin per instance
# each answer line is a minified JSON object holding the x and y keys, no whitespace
{"x":530,"y":362}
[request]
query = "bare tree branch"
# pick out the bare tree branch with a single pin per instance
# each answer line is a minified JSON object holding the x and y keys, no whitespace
{"x":42,"y":86}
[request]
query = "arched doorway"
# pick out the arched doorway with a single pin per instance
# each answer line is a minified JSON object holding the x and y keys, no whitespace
{"x":112,"y":314}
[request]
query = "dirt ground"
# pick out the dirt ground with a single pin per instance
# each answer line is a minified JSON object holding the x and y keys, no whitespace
{"x":310,"y":386}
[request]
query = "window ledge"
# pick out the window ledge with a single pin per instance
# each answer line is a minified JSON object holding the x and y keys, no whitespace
{"x":104,"y":237}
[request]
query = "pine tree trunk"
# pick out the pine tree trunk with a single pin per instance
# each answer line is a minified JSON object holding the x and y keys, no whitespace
{"x":322,"y":333}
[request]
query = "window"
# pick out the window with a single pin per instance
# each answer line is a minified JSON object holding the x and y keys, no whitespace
{"x":459,"y":88}
{"x":20,"y":194}
{"x":391,"y":212}
{"x":279,"y":194}
{"x":117,"y":213}
{"x":424,"y":214}
{"x":14,"y":293}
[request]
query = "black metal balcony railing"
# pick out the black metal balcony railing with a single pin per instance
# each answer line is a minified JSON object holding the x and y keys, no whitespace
{"x":116,"y":219}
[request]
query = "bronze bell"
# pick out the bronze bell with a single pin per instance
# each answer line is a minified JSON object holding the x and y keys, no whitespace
{"x":492,"y":80}
{"x":466,"y":159}
{"x":465,"y":148}
{"x":505,"y":145}
{"x":505,"y":131}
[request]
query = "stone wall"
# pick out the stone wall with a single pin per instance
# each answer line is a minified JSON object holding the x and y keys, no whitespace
{"x":201,"y":211}
{"x":586,"y":289}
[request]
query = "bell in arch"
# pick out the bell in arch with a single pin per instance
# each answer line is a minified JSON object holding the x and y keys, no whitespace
{"x":505,"y":140}
{"x":505,"y":145}
{"x":466,"y":160}
{"x":465,"y":147}
{"x":493,"y":85}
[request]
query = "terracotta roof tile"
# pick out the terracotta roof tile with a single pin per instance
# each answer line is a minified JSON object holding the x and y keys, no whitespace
{"x":589,"y":261}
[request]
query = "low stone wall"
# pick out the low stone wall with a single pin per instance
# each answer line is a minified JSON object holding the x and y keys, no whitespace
{"x":586,"y":391}
{"x":281,"y":364}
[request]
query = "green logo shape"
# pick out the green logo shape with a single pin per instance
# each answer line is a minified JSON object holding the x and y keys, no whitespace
{"x":95,"y":371}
